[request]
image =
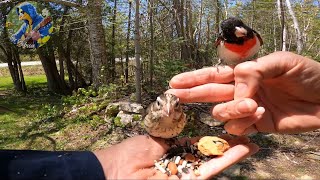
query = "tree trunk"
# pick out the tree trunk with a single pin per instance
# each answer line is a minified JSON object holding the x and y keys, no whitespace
{"x":55,"y":82}
{"x":225,"y":3}
{"x":137,"y":51}
{"x":128,"y":41}
{"x":13,"y":60}
{"x":296,"y":27}
{"x":151,"y":3}
{"x":20,"y":83}
{"x":217,"y":17}
{"x":253,"y":16}
{"x":179,"y":22}
{"x":97,"y":43}
{"x":113,"y":42}
{"x":281,"y":16}
{"x":274,"y":34}
{"x":67,"y":54}
{"x":60,"y":41}
{"x":207,"y":40}
{"x":197,"y":58}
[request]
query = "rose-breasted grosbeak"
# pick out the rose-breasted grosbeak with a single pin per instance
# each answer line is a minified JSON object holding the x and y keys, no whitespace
{"x":237,"y":42}
{"x":165,"y":117}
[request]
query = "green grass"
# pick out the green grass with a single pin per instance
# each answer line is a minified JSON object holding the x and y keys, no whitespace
{"x":36,"y":104}
{"x":36,"y":121}
{"x":34,"y":80}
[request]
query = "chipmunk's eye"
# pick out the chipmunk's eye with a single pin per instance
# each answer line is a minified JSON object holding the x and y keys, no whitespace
{"x":158,"y":103}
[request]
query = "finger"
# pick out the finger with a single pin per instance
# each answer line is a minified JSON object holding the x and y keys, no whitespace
{"x":202,"y":76}
{"x":205,"y":93}
{"x":143,"y":173}
{"x":173,"y":177}
{"x":238,"y":140}
{"x":158,"y":175}
{"x":234,"y":109}
{"x":226,"y":137}
{"x":189,"y":175}
{"x":248,"y":75}
{"x":230,"y":157}
{"x":250,"y":130}
{"x":239,"y":126}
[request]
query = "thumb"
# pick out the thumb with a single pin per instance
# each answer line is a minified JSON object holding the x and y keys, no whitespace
{"x":249,"y":75}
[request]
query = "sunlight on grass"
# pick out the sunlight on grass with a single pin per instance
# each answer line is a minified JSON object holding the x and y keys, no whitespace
{"x":34,"y":80}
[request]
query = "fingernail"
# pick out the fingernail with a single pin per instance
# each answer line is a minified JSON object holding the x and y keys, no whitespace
{"x":245,"y":107}
{"x":260,"y":111}
{"x":240,"y":90}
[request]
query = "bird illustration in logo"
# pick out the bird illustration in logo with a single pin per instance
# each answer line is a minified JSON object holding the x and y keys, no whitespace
{"x":35,"y":31}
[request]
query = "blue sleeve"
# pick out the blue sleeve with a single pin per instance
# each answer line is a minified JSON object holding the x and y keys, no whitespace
{"x":17,"y":36}
{"x":48,"y":165}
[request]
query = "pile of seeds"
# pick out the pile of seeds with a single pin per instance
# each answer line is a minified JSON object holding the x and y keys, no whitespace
{"x":180,"y":159}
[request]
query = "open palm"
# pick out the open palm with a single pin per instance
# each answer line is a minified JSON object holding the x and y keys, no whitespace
{"x":134,"y":158}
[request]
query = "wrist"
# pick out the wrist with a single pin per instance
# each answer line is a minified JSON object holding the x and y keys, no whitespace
{"x":108,"y":160}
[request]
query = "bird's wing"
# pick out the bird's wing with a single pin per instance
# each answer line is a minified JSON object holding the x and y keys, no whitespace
{"x":218,"y":40}
{"x":259,"y":37}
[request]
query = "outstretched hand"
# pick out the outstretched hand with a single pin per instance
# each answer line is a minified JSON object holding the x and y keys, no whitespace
{"x":275,"y":93}
{"x":134,"y":158}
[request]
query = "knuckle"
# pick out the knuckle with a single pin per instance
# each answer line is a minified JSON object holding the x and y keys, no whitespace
{"x":244,"y":68}
{"x":231,"y":129}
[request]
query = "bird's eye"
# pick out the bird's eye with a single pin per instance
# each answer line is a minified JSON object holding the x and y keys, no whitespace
{"x":176,"y":105}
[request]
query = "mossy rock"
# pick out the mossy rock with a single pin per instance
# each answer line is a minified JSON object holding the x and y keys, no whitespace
{"x":112,"y":110}
{"x":117,"y":122}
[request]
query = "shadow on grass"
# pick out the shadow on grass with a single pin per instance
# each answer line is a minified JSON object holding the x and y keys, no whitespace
{"x":21,"y":124}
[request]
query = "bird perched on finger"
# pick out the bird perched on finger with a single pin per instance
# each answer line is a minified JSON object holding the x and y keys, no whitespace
{"x":237,"y":42}
{"x":165,"y":117}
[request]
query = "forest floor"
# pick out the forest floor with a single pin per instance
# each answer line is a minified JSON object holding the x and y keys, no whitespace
{"x":35,"y":123}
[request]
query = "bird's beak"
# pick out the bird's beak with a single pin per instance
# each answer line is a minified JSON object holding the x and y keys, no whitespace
{"x":167,"y":110}
{"x":240,"y":32}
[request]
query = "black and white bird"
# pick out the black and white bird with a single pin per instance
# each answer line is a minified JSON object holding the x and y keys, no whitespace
{"x":237,"y":42}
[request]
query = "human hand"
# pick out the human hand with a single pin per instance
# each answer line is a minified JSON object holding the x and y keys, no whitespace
{"x":35,"y":35}
{"x":134,"y":158}
{"x":275,"y":93}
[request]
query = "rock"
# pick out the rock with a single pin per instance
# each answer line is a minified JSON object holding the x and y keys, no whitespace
{"x":112,"y":109}
{"x":211,"y":145}
{"x":131,"y":107}
{"x":124,"y":119}
{"x":208,"y":120}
